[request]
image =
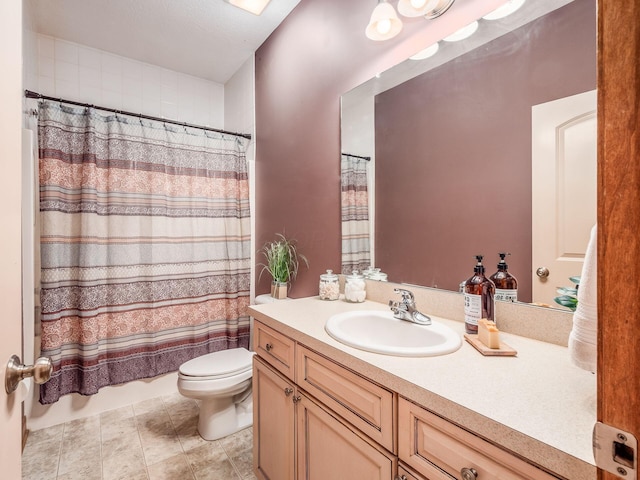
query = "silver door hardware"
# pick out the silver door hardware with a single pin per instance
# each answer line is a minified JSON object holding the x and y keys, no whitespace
{"x":542,"y":272}
{"x":615,"y":451}
{"x":41,"y":372}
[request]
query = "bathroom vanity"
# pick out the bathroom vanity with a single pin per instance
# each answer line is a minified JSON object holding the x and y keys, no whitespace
{"x":325,"y":410}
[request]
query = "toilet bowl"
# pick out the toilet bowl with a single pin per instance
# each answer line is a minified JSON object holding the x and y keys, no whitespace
{"x":221,"y":382}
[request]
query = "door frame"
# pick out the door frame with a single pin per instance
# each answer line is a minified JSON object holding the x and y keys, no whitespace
{"x":618,"y":216}
{"x":11,"y":98}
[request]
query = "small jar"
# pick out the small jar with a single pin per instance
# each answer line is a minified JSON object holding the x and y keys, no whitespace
{"x":329,"y":286}
{"x":355,"y":288}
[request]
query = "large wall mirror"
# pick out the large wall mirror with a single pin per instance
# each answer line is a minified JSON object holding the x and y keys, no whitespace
{"x":487,"y":146}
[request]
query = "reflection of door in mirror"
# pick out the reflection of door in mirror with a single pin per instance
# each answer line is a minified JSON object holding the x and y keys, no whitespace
{"x":452,"y":146}
{"x":563,"y":189}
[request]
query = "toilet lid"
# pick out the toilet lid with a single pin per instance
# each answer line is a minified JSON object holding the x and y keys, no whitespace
{"x":222,"y":363}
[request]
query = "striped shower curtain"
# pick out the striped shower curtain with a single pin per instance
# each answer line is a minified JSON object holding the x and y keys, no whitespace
{"x":145,"y":246}
{"x":355,"y":214}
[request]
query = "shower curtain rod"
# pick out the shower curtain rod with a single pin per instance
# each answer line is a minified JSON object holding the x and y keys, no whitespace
{"x":358,"y":156}
{"x":30,"y":94}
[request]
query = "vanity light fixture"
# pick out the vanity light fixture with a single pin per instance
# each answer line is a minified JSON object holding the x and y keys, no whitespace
{"x":384,"y":23}
{"x":504,"y":10}
{"x":464,"y":32}
{"x":416,"y":8}
{"x":253,"y":6}
{"x":430,"y":51}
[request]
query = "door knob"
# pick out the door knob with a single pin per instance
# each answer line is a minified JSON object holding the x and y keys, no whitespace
{"x":41,"y":372}
{"x":542,"y":272}
{"x":469,"y":474}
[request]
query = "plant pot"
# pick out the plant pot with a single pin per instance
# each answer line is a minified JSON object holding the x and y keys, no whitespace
{"x":279,"y":290}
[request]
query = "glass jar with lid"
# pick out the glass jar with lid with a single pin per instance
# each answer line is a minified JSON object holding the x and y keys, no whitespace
{"x":355,"y":288}
{"x":329,"y":286}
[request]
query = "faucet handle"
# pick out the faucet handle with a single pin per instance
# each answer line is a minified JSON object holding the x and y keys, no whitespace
{"x":407,"y":296}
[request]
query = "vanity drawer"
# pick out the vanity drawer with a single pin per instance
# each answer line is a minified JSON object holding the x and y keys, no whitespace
{"x":365,"y":405}
{"x":439,"y":450}
{"x":277,"y":349}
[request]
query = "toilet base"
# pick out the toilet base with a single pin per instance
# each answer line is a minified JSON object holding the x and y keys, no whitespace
{"x":220,"y":417}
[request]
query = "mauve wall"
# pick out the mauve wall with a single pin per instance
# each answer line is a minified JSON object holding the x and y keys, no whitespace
{"x":319,"y":52}
{"x":456,"y":142}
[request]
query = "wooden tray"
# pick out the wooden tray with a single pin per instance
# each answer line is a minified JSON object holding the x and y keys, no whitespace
{"x":504,"y":350}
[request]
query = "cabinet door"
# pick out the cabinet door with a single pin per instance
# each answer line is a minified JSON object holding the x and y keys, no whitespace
{"x":273,"y":424}
{"x":328,"y":449}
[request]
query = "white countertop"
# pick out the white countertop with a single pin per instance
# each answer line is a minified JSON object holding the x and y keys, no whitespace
{"x":537,"y":405}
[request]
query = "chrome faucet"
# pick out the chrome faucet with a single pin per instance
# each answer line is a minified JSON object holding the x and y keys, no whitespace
{"x":406,"y":309}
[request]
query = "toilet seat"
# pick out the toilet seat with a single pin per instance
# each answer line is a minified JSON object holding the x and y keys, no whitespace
{"x":221,"y":364}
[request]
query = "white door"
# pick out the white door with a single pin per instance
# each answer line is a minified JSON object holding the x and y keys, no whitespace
{"x":564,"y":142}
{"x":10,"y":216}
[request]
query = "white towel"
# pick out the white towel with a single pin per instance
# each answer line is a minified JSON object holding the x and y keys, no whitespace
{"x":583,"y":338}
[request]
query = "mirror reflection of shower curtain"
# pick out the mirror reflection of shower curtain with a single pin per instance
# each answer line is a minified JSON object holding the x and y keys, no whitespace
{"x":356,"y":248}
{"x":145,"y":246}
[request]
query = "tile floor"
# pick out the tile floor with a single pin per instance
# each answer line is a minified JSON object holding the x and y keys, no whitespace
{"x":152,"y":440}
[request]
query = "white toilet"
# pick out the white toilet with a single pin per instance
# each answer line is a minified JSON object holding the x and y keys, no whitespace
{"x":221,"y":381}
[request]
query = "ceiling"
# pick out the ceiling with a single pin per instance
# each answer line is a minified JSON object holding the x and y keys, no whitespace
{"x":209,"y":39}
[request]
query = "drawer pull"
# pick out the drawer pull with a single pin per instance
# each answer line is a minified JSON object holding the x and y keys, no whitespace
{"x":469,"y":474}
{"x":269,"y":347}
{"x":288,"y":391}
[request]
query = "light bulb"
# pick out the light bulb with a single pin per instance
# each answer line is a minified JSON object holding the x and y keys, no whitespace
{"x":384,"y":23}
{"x":418,"y":3}
{"x":383,"y":26}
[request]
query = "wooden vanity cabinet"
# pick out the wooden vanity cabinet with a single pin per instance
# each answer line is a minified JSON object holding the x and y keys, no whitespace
{"x":314,"y":419}
{"x":296,"y":436}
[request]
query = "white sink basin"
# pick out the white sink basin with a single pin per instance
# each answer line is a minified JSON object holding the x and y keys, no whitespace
{"x":379,"y":332}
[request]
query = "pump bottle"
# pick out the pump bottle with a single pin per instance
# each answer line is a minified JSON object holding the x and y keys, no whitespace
{"x":506,"y":284}
{"x":478,"y":298}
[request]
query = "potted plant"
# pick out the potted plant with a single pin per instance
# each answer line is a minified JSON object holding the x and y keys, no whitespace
{"x":282,"y":262}
{"x":569,"y":296}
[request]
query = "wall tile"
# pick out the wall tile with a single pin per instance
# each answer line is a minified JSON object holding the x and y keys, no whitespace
{"x":65,"y":71}
{"x":169,"y":93}
{"x":112,"y":82}
{"x":169,"y":110}
{"x":46,"y":67}
{"x":132,"y":68}
{"x":151,"y":106}
{"x":85,"y":74}
{"x":66,"y":51}
{"x":90,"y":94}
{"x":111,"y":64}
{"x":65,"y":89}
{"x":90,"y":57}
{"x":131,"y":103}
{"x":111,"y":99}
{"x":90,"y":77}
{"x":132,"y":86}
{"x":46,"y":46}
{"x":46,"y":86}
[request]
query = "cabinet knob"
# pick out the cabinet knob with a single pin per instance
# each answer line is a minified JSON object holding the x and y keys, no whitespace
{"x":401,"y":477}
{"x":288,"y":391}
{"x":296,"y":399}
{"x":269,"y":347}
{"x":469,"y":474}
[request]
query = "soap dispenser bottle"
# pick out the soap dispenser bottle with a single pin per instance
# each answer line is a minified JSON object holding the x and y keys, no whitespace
{"x":478,"y":298}
{"x":506,"y":284}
